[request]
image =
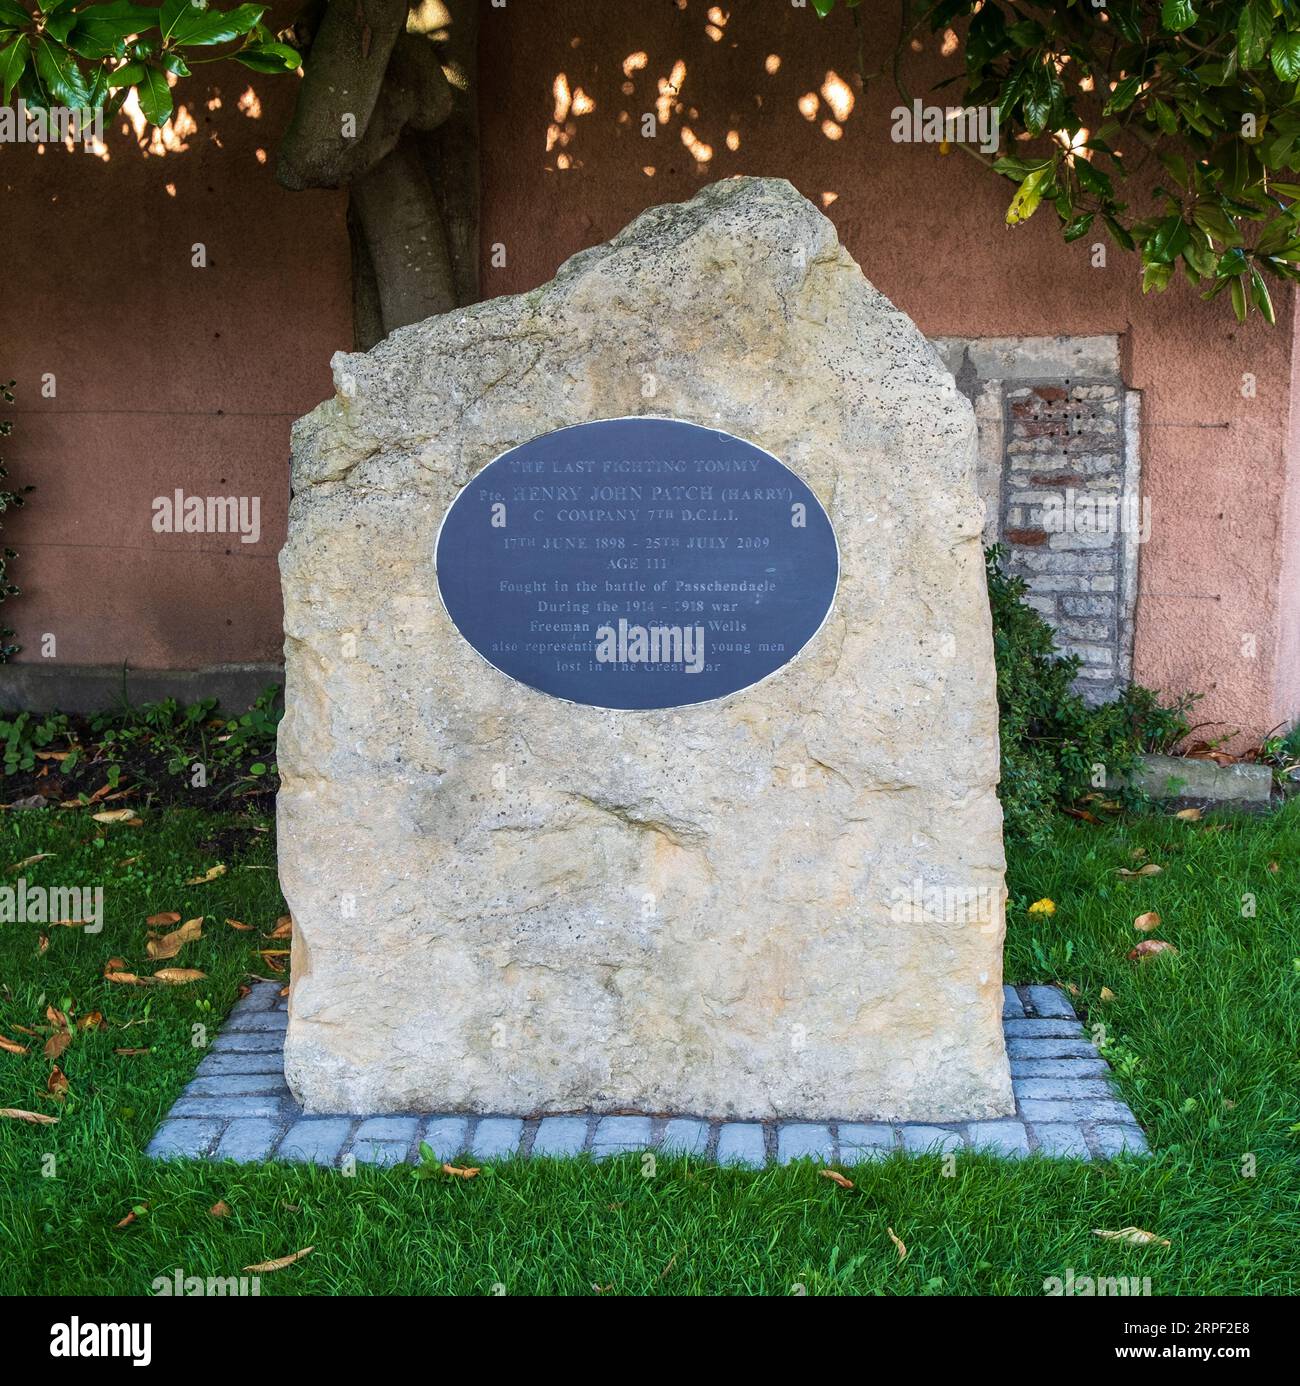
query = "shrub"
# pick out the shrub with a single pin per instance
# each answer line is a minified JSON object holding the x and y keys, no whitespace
{"x":1053,"y":743}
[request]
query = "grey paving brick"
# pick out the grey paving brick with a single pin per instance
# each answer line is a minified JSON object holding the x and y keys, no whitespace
{"x":1011,"y":1003}
{"x":248,"y":1042}
{"x":264,"y":1084}
{"x":685,"y":1136}
{"x":497,"y":1138}
{"x":1059,"y":1068}
{"x":248,"y":1139}
{"x":1062,"y":1089}
{"x":387,"y":1128}
{"x":1049,"y":1049}
{"x":741,"y":1143}
{"x":1050,"y":1001}
{"x":266,"y":1021}
{"x":616,"y":1135}
{"x":1086,"y":1109}
{"x":217,"y":1065}
{"x":865,"y":1140}
{"x":802,"y":1140}
{"x":1043,"y":1029}
{"x":445,"y":1136}
{"x":918,"y":1138}
{"x":176,"y":1139}
{"x":380,"y":1152}
{"x":262,"y":997}
{"x":1061,"y":1138}
{"x":225,"y":1107}
{"x":1118,"y":1140}
{"x":317,"y":1140}
{"x":1000,"y":1137}
{"x":560,"y":1135}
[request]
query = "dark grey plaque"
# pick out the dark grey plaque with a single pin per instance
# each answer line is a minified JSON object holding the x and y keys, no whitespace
{"x":637,"y":563}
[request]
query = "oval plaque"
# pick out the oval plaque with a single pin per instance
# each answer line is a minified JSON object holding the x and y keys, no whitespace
{"x":637,"y":563}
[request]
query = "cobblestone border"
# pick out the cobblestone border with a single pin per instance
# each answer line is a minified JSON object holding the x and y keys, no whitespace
{"x":238,"y":1107}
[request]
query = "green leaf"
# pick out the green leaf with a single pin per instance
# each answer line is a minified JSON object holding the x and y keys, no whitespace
{"x":1285,"y":56}
{"x":1030,"y":193}
{"x":1168,"y":242}
{"x":1259,"y":292}
{"x":12,"y":61}
{"x":1157,"y":277}
{"x":1216,"y":222}
{"x":1254,"y":29}
{"x":1164,"y":116}
{"x":1017,"y":168}
{"x":13,"y":14}
{"x":1078,"y":227}
{"x":270,"y":57}
{"x":823,"y":7}
{"x":202,"y":28}
{"x":102,"y":30}
{"x":126,"y":76}
{"x":1238,"y":289}
{"x":1092,"y":179}
{"x":63,"y":80}
{"x":1123,"y":95}
{"x":1177,"y":15}
{"x":155,"y":96}
{"x":1121,"y":236}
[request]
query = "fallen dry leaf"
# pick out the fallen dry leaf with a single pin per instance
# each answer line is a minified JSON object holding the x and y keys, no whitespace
{"x":902,"y":1250}
{"x":1107,"y":994}
{"x":160,"y":921}
{"x":126,"y":1221}
{"x":1131,"y":1236}
{"x":211,"y":875}
{"x":1189,"y":815}
{"x":1150,"y":869}
{"x":28,"y":861}
{"x":42,"y":943}
{"x":220,"y":1209}
{"x":283,"y":927}
{"x":282,"y":1262}
{"x":93,"y":1021}
{"x":17,"y":1114}
{"x":1273,"y":867}
{"x":113,"y":815}
{"x":1149,"y":947}
{"x":170,"y":944}
{"x":126,"y":979}
{"x":836,"y":1178}
{"x":56,"y":1018}
{"x":57,"y":1086}
{"x":132,"y":1051}
{"x":57,"y":1043}
{"x":1145,"y":923}
{"x":12,"y":1046}
{"x":178,"y":976}
{"x":238,"y":924}
{"x":461,"y":1172}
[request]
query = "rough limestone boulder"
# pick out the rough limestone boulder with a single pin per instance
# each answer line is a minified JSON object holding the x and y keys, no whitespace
{"x":787,"y":902}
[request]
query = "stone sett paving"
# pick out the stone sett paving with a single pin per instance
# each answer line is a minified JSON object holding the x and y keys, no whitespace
{"x":237,"y":1107}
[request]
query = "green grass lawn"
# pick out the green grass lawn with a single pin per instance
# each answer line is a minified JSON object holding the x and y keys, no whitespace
{"x":1206,"y":1045}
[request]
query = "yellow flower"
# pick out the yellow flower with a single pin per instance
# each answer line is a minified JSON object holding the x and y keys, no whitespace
{"x":1042,"y":907}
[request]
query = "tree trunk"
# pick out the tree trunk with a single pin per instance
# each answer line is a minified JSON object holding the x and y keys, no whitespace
{"x":390,"y":111}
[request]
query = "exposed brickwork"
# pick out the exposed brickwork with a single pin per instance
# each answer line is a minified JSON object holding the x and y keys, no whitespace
{"x":1064,"y":468}
{"x":1058,"y":472}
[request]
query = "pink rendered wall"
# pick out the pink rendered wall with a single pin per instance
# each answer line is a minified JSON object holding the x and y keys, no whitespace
{"x":928,"y":231}
{"x":167,"y":375}
{"x":173,"y":376}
